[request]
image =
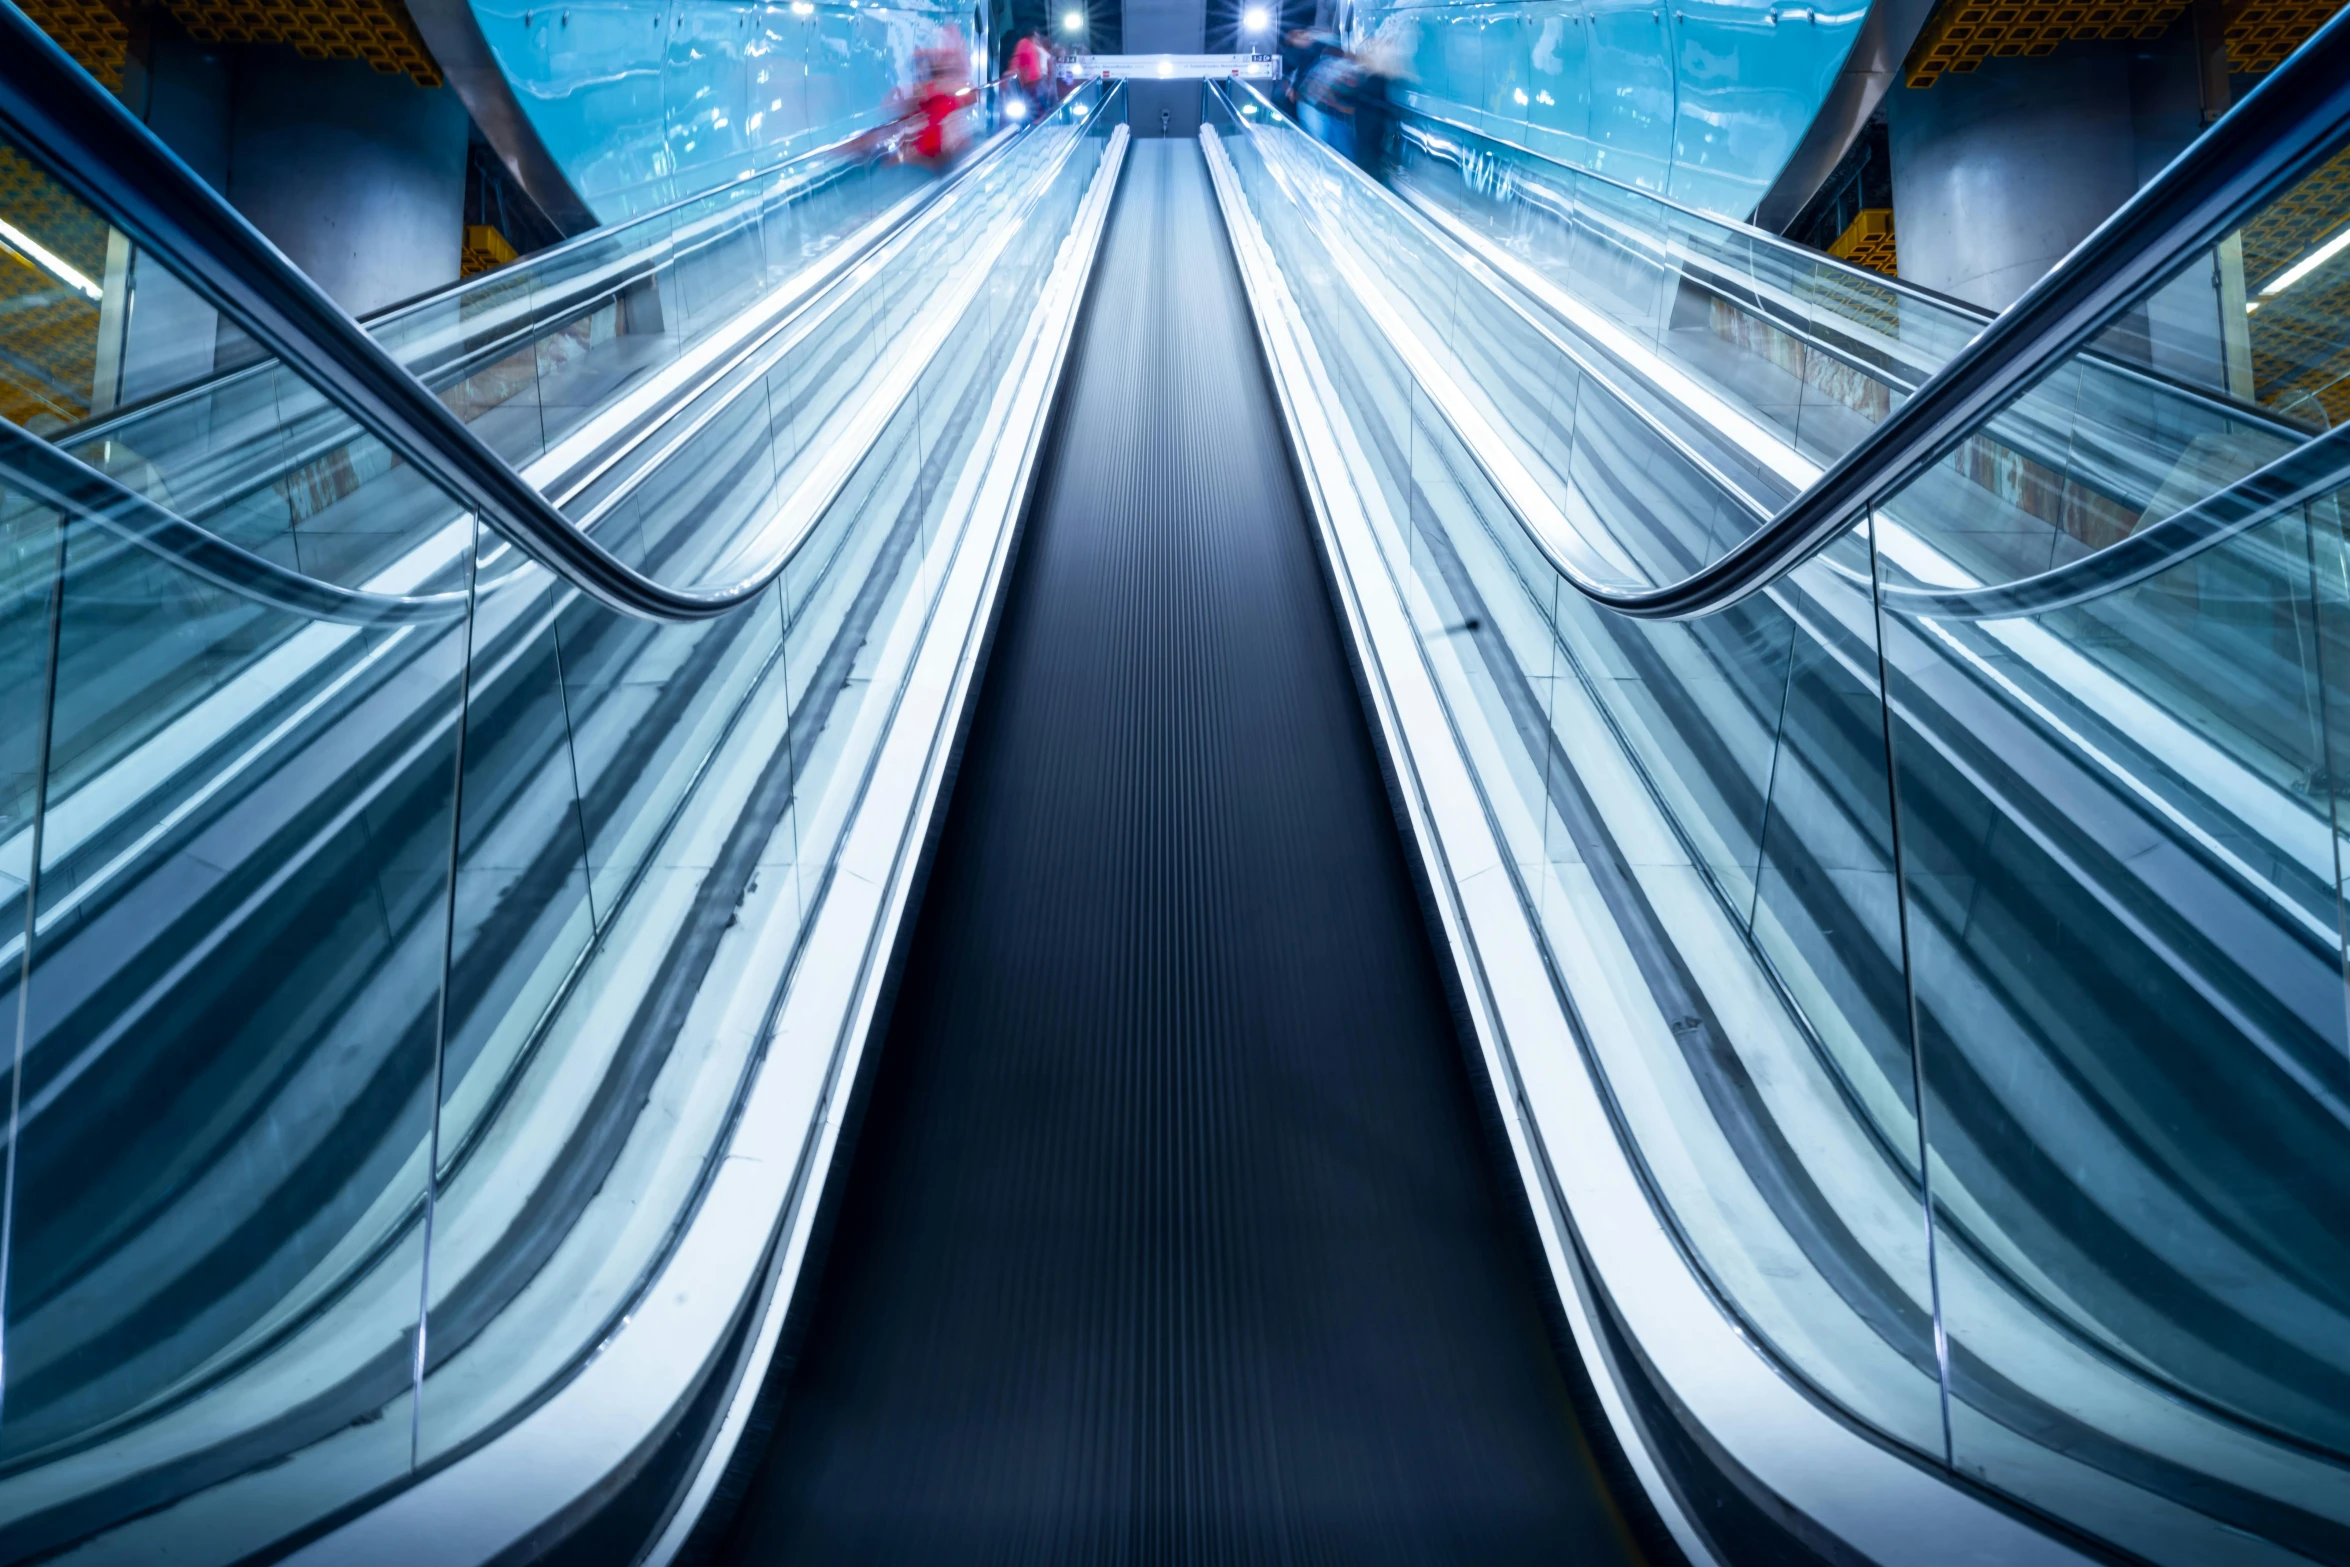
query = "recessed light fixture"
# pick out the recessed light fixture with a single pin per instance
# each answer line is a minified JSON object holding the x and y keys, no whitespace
{"x":48,"y":260}
{"x":2307,"y":264}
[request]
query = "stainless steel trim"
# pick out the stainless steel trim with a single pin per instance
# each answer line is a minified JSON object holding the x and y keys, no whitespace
{"x":741,"y":1246}
{"x":1593,"y":1213}
{"x":455,"y":38}
{"x":1053,"y":325}
{"x":1869,"y":72}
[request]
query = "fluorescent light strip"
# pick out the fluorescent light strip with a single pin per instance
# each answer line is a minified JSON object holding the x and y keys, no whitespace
{"x":46,"y":259}
{"x":2307,"y":264}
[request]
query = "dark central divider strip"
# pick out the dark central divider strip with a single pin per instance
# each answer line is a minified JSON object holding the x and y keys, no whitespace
{"x":1169,"y":1234}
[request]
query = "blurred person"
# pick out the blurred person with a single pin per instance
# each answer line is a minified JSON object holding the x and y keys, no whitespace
{"x":1379,"y":69}
{"x":1326,"y":101}
{"x":933,"y":127}
{"x":1302,"y":48}
{"x":1033,"y":76}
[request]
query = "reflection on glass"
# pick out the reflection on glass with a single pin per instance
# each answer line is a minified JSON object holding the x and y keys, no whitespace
{"x":225,"y":1107}
{"x":1713,"y":792}
{"x":391,"y":890}
{"x":2113,"y":684}
{"x":1992,"y":855}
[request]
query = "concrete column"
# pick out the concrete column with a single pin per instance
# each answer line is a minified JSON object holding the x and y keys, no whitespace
{"x":1998,"y":173}
{"x":357,"y":176}
{"x":164,"y":335}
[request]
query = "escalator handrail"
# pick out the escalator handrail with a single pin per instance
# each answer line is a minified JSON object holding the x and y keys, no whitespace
{"x":85,"y":139}
{"x":1721,"y":277}
{"x":2274,"y":136}
{"x":2305,"y":474}
{"x":60,"y":480}
{"x":2302,"y":474}
{"x":471,"y":353}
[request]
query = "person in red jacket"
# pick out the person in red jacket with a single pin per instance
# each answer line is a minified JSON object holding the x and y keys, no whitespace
{"x":936,"y":128}
{"x":1032,"y":75}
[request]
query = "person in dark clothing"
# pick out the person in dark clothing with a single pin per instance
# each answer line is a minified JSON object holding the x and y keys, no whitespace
{"x":1302,"y":50}
{"x":1370,"y":94}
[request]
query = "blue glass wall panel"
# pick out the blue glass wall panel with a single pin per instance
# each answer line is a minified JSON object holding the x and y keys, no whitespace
{"x":643,"y":104}
{"x":1703,"y":100}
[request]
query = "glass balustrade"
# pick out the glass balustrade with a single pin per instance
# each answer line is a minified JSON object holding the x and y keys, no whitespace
{"x":1955,"y":925}
{"x":366,"y":1069}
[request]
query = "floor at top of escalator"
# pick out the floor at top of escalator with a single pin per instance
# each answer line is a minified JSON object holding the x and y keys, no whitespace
{"x":1169,"y":1234}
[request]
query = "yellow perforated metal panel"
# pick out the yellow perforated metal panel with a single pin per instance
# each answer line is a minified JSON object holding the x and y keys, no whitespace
{"x":2262,"y":32}
{"x":1962,"y":34}
{"x":48,"y":329}
{"x":485,"y":251}
{"x":97,"y":38}
{"x":1867,"y":241}
{"x":377,"y":31}
{"x":2301,"y":337}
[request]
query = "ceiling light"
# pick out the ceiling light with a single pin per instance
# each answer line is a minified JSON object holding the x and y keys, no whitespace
{"x":2308,"y":264}
{"x":47,"y":260}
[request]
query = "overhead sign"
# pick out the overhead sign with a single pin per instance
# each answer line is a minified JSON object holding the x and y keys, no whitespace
{"x":1172,"y":66}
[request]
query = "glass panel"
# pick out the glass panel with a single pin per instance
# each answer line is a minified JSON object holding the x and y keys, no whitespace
{"x":1697,"y":814}
{"x":84,"y":324}
{"x":237,"y":1010}
{"x":2113,"y":640}
{"x":226,"y":1102}
{"x":29,"y":540}
{"x":1812,"y":352}
{"x":651,"y":812}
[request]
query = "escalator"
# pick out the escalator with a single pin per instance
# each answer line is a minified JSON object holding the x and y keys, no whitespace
{"x":1902,"y":710}
{"x":1170,"y":1191}
{"x":1150,"y":852}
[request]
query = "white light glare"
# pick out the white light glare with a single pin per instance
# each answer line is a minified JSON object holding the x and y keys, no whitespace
{"x":802,"y":8}
{"x":1255,"y":19}
{"x":1166,"y":67}
{"x":1072,"y":21}
{"x":47,"y":260}
{"x":1017,"y":109}
{"x":1077,"y":111}
{"x":2307,"y":264}
{"x":1519,"y":93}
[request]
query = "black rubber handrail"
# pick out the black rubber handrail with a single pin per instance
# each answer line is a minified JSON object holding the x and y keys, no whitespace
{"x":2307,"y":473}
{"x":64,"y":482}
{"x":83,"y":137}
{"x":2295,"y":478}
{"x":2281,"y":130}
{"x":575,"y":298}
{"x":2276,"y":135}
